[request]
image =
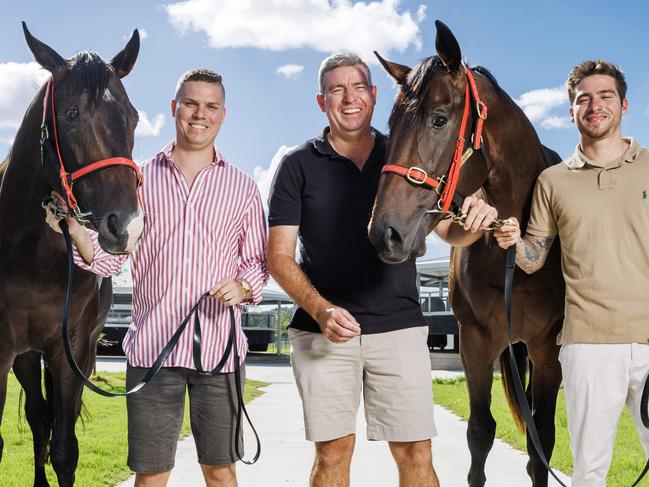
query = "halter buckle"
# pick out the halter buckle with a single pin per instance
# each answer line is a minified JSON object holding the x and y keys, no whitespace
{"x":416,"y":175}
{"x":481,"y":108}
{"x":441,"y":181}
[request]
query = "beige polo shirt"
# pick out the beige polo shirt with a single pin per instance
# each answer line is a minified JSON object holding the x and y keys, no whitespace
{"x":601,"y":215}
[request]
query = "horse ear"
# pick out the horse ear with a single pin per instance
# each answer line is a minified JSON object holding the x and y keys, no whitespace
{"x":44,"y":54}
{"x":124,"y":61}
{"x":448,"y":48}
{"x":398,"y":72}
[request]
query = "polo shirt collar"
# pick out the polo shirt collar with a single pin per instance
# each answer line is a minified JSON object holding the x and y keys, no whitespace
{"x":166,"y":151}
{"x":578,"y":160}
{"x":323,"y":146}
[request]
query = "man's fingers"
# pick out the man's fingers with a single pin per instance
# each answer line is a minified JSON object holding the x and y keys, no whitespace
{"x":348,"y":321}
{"x":217,"y":288}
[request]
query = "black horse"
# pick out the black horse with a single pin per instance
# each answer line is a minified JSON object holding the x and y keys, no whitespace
{"x":425,"y":131}
{"x":90,"y":118}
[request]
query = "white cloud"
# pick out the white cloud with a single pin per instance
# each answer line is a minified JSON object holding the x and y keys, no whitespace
{"x":323,"y":25}
{"x":19,"y":82}
{"x":264,"y":176}
{"x":555,"y":122}
{"x":435,"y":247}
{"x":149,"y":128}
{"x":9,"y":140}
{"x":290,"y":70}
{"x":538,"y":105}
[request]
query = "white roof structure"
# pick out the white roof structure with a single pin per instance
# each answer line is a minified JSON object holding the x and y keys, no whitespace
{"x":433,"y":270}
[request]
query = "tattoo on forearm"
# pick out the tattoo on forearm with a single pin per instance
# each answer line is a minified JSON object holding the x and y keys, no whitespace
{"x":532,"y":251}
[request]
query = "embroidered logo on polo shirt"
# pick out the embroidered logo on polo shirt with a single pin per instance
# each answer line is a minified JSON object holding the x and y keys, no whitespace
{"x":644,"y":194}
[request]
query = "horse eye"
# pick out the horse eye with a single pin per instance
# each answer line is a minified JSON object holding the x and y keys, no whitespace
{"x":72,"y":113}
{"x":439,"y":122}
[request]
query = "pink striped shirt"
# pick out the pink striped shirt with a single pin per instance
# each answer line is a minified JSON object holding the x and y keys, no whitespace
{"x":192,"y":239}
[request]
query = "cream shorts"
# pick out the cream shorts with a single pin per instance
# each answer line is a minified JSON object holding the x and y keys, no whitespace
{"x":391,"y":370}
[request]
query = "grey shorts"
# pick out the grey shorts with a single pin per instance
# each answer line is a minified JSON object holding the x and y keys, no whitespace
{"x":155,"y":416}
{"x":391,"y":370}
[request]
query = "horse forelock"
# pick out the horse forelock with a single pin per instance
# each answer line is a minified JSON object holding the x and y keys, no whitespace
{"x":409,"y":102}
{"x":90,"y":73}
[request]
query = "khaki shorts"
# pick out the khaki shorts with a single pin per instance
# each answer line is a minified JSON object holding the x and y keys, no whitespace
{"x":391,"y":369}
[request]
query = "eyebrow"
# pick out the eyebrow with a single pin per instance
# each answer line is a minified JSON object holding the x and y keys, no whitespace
{"x":211,"y":103}
{"x":599,"y":92}
{"x":342,"y":85}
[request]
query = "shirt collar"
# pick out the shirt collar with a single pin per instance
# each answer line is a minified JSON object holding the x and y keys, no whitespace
{"x":323,"y":146}
{"x":168,"y":149}
{"x":578,"y":160}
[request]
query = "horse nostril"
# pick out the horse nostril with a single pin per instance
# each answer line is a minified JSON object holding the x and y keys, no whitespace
{"x":112,"y":225}
{"x":393,"y":238}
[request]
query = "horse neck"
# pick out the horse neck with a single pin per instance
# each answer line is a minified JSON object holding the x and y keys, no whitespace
{"x":516,"y":153}
{"x":24,"y":183}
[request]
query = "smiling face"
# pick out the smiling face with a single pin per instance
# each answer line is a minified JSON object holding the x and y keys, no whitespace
{"x":199,"y":110}
{"x":348,"y":99}
{"x":597,"y":108}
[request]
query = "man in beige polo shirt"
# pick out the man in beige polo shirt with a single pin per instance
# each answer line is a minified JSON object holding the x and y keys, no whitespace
{"x":597,"y":203}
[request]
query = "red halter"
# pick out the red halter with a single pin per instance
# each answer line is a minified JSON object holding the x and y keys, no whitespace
{"x":446,"y":185}
{"x":67,"y":179}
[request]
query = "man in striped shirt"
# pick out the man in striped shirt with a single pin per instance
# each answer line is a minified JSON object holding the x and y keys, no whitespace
{"x":204,"y":231}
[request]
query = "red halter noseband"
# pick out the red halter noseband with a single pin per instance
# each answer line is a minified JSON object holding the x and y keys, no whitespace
{"x":67,"y":179}
{"x":446,"y":185}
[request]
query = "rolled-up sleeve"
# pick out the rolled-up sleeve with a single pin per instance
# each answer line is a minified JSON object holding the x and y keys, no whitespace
{"x":253,"y":247}
{"x":103,"y":263}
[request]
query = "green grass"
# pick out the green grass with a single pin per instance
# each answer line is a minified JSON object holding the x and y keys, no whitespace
{"x":628,"y":456}
{"x":102,"y":436}
{"x":286,"y":348}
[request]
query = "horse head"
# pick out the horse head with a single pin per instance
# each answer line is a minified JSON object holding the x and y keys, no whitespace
{"x":425,"y":125}
{"x":88,"y":119}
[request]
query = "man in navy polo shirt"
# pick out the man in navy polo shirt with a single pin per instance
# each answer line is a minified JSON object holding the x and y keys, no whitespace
{"x":359,"y":326}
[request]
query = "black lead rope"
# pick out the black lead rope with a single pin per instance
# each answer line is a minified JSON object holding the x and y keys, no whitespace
{"x":231,"y":347}
{"x":532,"y":432}
{"x":510,"y":264}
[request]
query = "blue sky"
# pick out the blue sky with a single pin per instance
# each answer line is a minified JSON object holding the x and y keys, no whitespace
{"x":529,"y":47}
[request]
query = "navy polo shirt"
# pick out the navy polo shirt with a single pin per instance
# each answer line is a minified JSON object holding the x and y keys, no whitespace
{"x":331,"y":201}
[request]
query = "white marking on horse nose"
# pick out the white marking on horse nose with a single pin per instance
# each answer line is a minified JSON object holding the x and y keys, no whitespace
{"x":108,"y":96}
{"x":134,"y":230}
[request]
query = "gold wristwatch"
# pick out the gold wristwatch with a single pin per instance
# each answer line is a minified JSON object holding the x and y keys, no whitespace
{"x":246,"y":288}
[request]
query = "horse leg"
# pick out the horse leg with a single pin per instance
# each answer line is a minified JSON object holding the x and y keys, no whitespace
{"x":3,"y":398}
{"x":6,"y":359}
{"x":478,"y":368}
{"x":544,"y":384}
{"x":67,"y":388}
{"x":27,"y":368}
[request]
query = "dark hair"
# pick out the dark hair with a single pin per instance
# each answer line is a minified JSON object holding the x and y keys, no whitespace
{"x":200,"y":74}
{"x":597,"y":66}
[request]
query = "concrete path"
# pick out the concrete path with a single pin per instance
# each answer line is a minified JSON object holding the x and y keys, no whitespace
{"x":287,"y":457}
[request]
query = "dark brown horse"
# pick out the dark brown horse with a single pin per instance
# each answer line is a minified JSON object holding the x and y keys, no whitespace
{"x":424,"y":128}
{"x":95,"y":120}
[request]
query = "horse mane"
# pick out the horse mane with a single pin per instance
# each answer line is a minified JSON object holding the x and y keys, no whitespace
{"x":487,"y":74}
{"x":408,"y":101}
{"x":89,"y":73}
{"x":419,"y":79}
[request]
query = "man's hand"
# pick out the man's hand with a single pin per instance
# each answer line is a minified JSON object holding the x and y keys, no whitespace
{"x":337,"y":324}
{"x":509,"y":234}
{"x":228,"y":291}
{"x":53,"y":222}
{"x":479,"y":214}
